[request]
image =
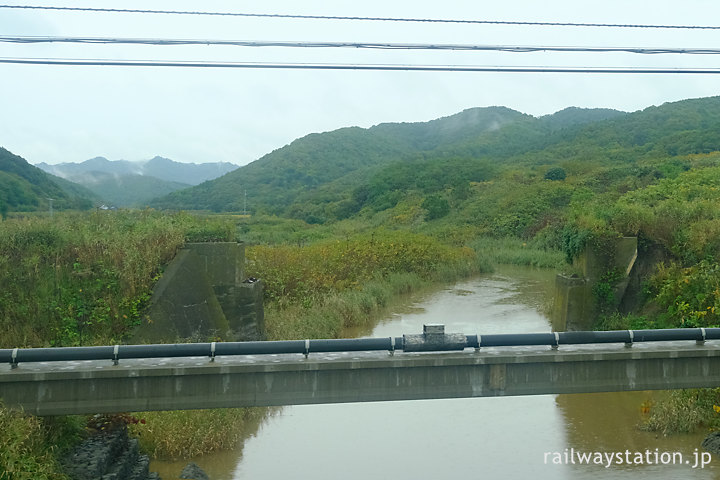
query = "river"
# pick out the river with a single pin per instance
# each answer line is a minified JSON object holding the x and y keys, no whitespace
{"x":504,"y":437}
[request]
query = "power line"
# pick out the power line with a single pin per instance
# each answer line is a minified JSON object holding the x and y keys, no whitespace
{"x":357,"y":18}
{"x":369,"y":45}
{"x":342,"y":66}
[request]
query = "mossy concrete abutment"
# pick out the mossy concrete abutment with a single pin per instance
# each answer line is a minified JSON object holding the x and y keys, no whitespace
{"x":576,"y":304}
{"x":204,"y":294}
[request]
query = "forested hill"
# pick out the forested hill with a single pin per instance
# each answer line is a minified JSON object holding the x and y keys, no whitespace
{"x":334,"y":175}
{"x":274,"y":181}
{"x":27,"y":188}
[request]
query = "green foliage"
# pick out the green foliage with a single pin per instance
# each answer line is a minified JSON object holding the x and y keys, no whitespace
{"x":211,"y":229}
{"x":436,"y":206}
{"x":25,"y":188}
{"x":574,"y":240}
{"x":79,"y":279}
{"x":685,"y":411}
{"x":555,"y":173}
{"x":618,"y":321}
{"x":324,"y":168}
{"x":189,"y":433}
{"x":604,"y":290}
{"x":31,"y":445}
{"x":679,"y":213}
{"x":303,"y":274}
{"x":690,"y":297}
{"x":515,"y":251}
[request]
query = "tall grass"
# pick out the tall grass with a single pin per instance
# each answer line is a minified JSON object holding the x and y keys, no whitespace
{"x":302,"y":275}
{"x":685,"y":411}
{"x":31,"y":445}
{"x":319,"y":290}
{"x":335,"y":313}
{"x":83,"y":278}
{"x":190,"y":433}
{"x":516,"y":251}
{"x":78,"y":279}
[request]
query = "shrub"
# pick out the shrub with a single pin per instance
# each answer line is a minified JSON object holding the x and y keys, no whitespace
{"x":437,"y":207}
{"x":555,"y":173}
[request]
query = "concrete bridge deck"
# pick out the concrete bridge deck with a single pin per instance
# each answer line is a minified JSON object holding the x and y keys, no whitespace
{"x":98,"y":386}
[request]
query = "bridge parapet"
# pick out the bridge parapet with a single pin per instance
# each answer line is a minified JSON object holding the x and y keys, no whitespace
{"x":336,"y":371}
{"x":432,"y":339}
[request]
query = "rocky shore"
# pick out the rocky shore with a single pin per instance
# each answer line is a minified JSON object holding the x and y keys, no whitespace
{"x":108,"y":455}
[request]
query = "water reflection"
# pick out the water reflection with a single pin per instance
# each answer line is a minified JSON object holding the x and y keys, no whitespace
{"x":505,"y":437}
{"x":608,"y":423}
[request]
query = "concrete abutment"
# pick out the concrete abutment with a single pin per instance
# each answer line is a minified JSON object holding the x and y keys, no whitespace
{"x":203,"y":294}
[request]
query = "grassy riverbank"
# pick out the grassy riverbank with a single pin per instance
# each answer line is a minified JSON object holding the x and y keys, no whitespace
{"x":72,"y":280}
{"x":190,"y":433}
{"x":314,"y":291}
{"x":82,"y":279}
{"x":320,"y":290}
{"x":32,"y":446}
{"x":685,"y":411}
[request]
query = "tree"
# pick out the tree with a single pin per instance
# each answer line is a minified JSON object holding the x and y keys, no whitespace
{"x":436,"y":206}
{"x":555,"y":173}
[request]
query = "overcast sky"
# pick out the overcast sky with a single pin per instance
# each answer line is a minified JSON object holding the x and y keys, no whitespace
{"x":72,"y":113}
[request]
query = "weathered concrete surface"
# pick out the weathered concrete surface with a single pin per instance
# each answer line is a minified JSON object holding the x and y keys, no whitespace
{"x":574,"y":305}
{"x":170,"y":384}
{"x":571,"y":301}
{"x":203,"y":295}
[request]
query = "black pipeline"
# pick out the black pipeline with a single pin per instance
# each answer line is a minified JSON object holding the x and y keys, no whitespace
{"x":433,"y":339}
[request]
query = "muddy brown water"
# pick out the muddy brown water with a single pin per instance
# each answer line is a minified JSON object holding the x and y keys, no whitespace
{"x":544,"y":436}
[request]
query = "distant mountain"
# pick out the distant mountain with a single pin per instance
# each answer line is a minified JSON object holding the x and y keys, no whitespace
{"x":24,"y":187}
{"x":158,"y":167}
{"x":125,"y":183}
{"x":187,"y":173}
{"x":126,"y":190}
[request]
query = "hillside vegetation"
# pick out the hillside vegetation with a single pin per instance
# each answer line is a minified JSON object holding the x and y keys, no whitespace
{"x":275,"y":181}
{"x":24,"y":188}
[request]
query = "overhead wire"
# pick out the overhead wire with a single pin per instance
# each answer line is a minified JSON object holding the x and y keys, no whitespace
{"x":363,"y":45}
{"x":357,"y":18}
{"x":343,"y":66}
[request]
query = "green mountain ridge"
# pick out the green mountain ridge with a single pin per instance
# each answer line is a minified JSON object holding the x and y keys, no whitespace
{"x":323,"y":168}
{"x":336,"y":175}
{"x":274,"y":181}
{"x":24,"y":187}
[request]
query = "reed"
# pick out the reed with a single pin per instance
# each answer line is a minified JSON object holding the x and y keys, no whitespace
{"x":32,"y":445}
{"x":190,"y":433}
{"x":685,"y":411}
{"x":515,"y":251}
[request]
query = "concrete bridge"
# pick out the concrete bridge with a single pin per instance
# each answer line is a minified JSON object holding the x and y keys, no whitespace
{"x":472,"y":370}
